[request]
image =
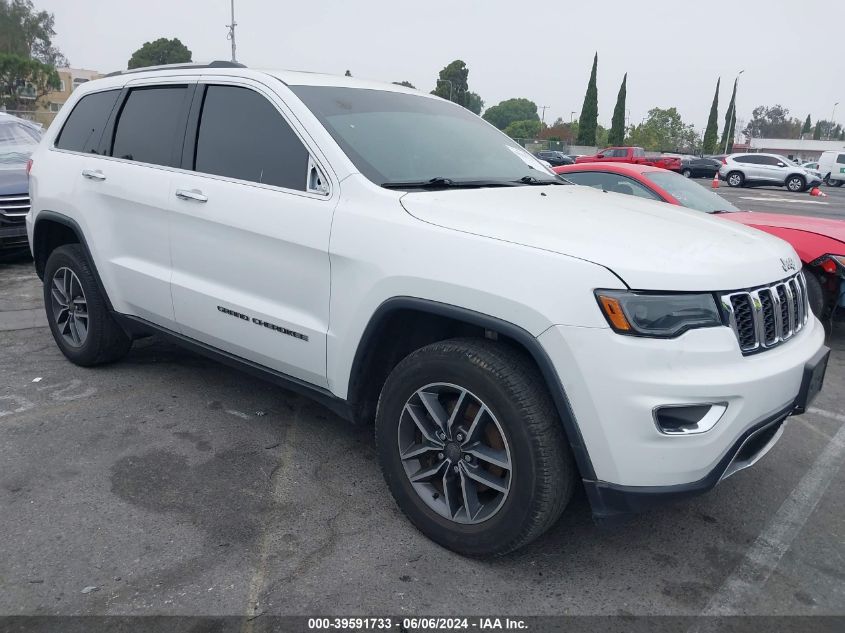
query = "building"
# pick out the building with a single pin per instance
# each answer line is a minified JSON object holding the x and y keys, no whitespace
{"x":70,"y":78}
{"x":799,"y":150}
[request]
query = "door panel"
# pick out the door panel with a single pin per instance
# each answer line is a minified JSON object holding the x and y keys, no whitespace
{"x":250,"y":259}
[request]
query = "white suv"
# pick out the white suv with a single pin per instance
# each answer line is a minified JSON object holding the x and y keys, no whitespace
{"x":750,"y":170}
{"x":394,"y":256}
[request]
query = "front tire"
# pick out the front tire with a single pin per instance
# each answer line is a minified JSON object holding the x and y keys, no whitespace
{"x":687,"y":173}
{"x":735,"y":179}
{"x":796,"y":184}
{"x":815,"y":293}
{"x":81,"y":324}
{"x":471,"y":446}
{"x":832,"y":183}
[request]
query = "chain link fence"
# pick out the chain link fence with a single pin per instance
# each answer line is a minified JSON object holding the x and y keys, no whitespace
{"x":41,"y":117}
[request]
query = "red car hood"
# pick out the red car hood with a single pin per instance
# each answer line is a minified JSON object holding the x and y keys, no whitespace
{"x":834,"y":229}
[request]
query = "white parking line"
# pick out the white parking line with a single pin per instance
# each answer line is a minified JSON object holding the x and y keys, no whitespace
{"x":827,"y":414}
{"x":769,"y":199}
{"x":761,"y":559}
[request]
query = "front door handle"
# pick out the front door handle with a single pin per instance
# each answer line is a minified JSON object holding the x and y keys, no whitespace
{"x":191,"y":194}
{"x":92,"y":174}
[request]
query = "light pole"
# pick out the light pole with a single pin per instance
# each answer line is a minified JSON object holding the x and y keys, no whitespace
{"x":571,"y":117}
{"x":543,"y":117}
{"x":231,"y":35}
{"x":832,"y":117}
{"x":732,"y":114}
{"x":448,"y":81}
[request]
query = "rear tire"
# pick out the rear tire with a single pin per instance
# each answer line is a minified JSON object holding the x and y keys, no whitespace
{"x":832,"y":183}
{"x":796,"y":183}
{"x":81,"y":324}
{"x":686,"y":173}
{"x":735,"y":179}
{"x":519,"y":423}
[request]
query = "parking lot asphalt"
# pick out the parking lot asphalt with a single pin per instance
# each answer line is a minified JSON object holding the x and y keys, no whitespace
{"x":169,"y":484}
{"x":780,"y":200}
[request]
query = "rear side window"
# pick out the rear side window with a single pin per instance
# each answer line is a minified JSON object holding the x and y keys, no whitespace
{"x":745,"y":159}
{"x":84,"y":126}
{"x":242,"y":135}
{"x":614,"y":183}
{"x":150,"y":123}
{"x":841,"y":159}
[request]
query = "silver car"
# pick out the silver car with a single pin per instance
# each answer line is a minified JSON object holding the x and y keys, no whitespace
{"x":754,"y":170}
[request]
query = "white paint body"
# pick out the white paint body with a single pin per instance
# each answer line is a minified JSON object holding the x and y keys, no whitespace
{"x":531,"y":256}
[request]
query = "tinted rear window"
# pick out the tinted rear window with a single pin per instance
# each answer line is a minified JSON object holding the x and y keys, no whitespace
{"x":150,"y":122}
{"x":84,"y":126}
{"x":841,"y":159}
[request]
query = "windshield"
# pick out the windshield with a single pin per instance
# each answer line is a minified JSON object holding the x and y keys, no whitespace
{"x":17,"y":142}
{"x":688,"y":193}
{"x":393,"y":137}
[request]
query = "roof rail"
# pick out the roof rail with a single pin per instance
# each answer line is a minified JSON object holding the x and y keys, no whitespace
{"x":214,"y":64}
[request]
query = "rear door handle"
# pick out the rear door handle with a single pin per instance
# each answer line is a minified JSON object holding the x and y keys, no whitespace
{"x":92,"y":174}
{"x":191,"y":194}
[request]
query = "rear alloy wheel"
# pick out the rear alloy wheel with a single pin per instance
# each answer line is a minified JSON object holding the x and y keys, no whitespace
{"x":77,"y":313}
{"x":471,"y":446}
{"x":796,"y":183}
{"x":735,"y":179}
{"x":687,"y":173}
{"x":832,"y":183}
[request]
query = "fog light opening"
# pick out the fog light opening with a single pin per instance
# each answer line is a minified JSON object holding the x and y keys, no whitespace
{"x":688,"y":419}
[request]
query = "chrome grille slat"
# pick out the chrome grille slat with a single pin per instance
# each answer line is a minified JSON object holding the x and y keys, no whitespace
{"x":765,"y":317}
{"x":14,"y":208}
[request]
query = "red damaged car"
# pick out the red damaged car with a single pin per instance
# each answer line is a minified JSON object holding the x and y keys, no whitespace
{"x":819,"y":242}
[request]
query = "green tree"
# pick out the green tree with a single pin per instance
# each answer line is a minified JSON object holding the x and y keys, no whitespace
{"x":730,"y":124}
{"x":24,"y":81}
{"x":407,"y":84}
{"x":711,"y":132}
{"x":28,"y":33}
{"x":523,"y":129}
{"x":589,"y":119}
{"x":773,"y":122}
{"x":474,"y":103}
{"x":817,"y":132}
{"x":452,"y":82}
{"x":510,"y":110}
{"x":663,"y":130}
{"x":617,"y":125}
{"x":808,"y":126}
{"x":161,"y":51}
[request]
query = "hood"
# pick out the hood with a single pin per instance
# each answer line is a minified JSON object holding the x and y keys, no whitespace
{"x":13,"y":181}
{"x":650,"y":245}
{"x":826,"y":227}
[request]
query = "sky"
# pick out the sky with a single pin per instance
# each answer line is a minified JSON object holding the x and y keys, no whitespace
{"x":791,"y":50}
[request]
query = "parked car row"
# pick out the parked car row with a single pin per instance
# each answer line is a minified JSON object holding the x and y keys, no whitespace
{"x":819,"y":242}
{"x":510,"y":336}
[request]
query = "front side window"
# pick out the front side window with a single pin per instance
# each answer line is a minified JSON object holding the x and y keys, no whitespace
{"x":395,"y":138}
{"x":84,"y":126}
{"x":150,"y":124}
{"x":839,"y":159}
{"x":242,"y":135}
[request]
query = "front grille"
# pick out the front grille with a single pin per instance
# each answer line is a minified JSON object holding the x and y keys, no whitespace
{"x":765,"y":317}
{"x":13,"y":209}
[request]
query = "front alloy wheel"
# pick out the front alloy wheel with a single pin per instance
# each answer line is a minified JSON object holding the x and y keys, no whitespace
{"x":795,"y":183}
{"x":70,"y":307}
{"x":454,"y":453}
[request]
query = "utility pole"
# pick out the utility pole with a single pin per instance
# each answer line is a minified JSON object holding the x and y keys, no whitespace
{"x":571,"y":117}
{"x":543,"y":117}
{"x":830,"y":125}
{"x":231,"y":35}
{"x":731,"y":132}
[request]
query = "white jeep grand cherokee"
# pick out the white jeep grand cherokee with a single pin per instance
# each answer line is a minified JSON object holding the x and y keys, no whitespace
{"x":396,"y":257}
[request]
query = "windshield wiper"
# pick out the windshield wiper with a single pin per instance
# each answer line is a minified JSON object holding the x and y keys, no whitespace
{"x":531,"y":180}
{"x":446,"y":183}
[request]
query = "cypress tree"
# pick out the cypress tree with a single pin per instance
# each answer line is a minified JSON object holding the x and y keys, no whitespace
{"x":589,"y":119}
{"x":730,"y":124}
{"x":808,"y":126}
{"x":817,"y":132}
{"x":617,"y":126}
{"x":711,"y":132}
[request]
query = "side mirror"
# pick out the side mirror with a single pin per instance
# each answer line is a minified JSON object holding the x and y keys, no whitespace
{"x":600,"y":156}
{"x":781,"y":165}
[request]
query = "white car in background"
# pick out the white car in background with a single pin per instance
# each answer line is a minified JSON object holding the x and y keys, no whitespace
{"x":812,"y":168}
{"x":832,"y":167}
{"x":760,"y":170}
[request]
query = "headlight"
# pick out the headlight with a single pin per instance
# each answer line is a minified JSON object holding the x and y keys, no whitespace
{"x":657,"y":315}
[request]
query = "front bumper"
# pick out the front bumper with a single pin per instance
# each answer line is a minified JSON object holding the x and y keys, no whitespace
{"x":615,"y":382}
{"x":13,"y":237}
